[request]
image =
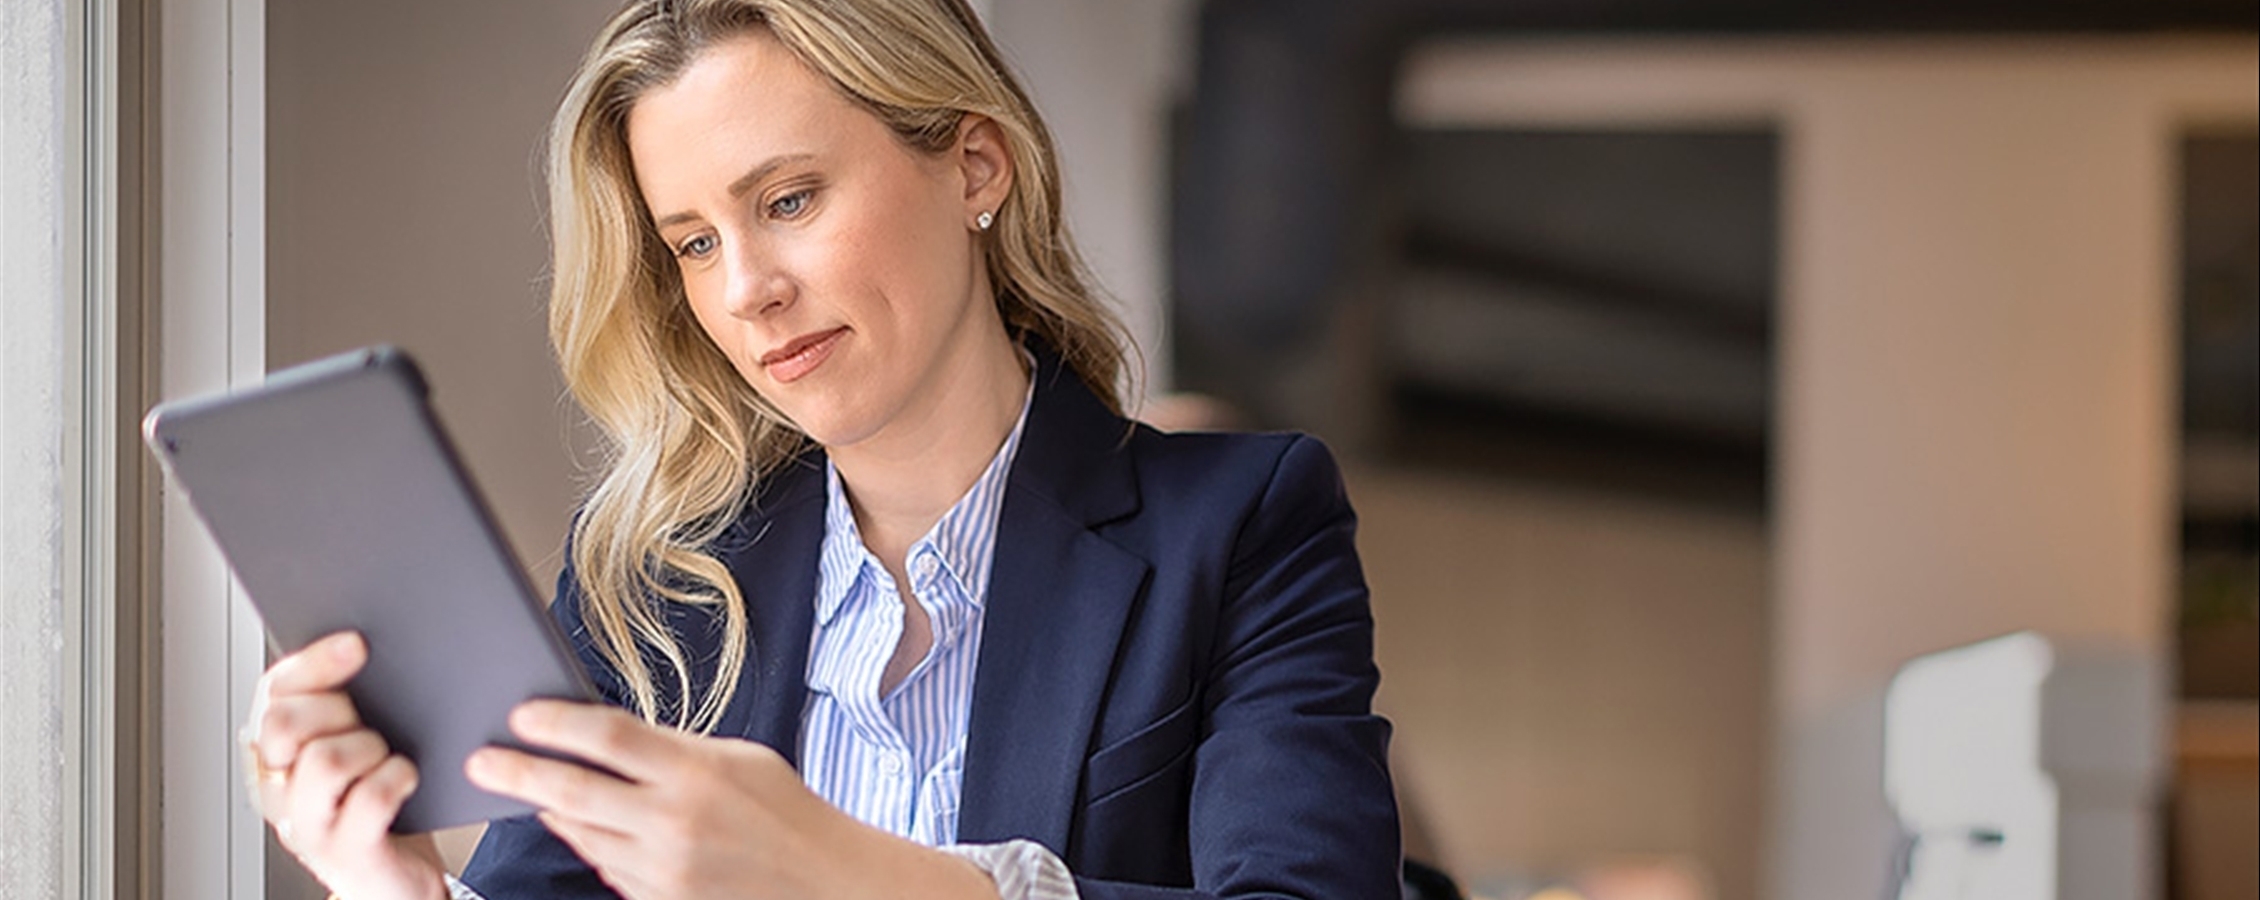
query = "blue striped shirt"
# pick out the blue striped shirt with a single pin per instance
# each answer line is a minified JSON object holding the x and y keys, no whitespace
{"x":897,"y":762}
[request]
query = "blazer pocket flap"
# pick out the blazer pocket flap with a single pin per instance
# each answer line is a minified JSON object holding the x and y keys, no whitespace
{"x":1142,"y":753}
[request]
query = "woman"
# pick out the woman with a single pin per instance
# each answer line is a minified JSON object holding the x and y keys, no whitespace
{"x":887,"y":598}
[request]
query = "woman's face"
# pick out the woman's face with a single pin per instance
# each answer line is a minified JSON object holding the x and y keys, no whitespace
{"x":833,"y":265}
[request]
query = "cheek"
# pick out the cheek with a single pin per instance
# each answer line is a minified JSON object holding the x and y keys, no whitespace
{"x":913,"y":262}
{"x":862,"y":268}
{"x":706,"y":311}
{"x":722,"y":331}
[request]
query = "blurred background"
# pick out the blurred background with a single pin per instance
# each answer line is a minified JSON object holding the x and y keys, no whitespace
{"x":1695,"y":365}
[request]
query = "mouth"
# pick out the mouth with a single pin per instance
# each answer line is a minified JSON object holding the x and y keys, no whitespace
{"x":801,"y":355}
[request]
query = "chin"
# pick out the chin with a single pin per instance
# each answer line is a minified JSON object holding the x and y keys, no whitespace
{"x":831,"y":426}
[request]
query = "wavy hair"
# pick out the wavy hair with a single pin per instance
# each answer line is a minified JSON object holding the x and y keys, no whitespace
{"x":687,"y":441}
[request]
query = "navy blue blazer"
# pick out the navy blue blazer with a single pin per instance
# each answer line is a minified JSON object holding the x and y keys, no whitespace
{"x":1175,"y":686}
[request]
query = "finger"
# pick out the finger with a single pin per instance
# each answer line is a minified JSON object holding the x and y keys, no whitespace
{"x":574,"y":791}
{"x":290,"y":721}
{"x":326,"y":768}
{"x":365,"y":815}
{"x":605,"y":735}
{"x":324,"y":665}
{"x":593,"y":840}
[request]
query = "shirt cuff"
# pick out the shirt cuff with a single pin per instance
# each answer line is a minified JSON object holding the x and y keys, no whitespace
{"x":1022,"y":869}
{"x":457,"y":890}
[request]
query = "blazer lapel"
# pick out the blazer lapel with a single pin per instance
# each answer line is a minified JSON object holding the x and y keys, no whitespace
{"x":1059,"y":596}
{"x":775,"y":566}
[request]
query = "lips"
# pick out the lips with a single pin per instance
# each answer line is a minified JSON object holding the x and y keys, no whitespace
{"x":801,"y":355}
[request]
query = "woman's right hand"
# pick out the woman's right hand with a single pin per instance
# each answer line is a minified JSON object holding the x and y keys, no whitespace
{"x":329,"y":784}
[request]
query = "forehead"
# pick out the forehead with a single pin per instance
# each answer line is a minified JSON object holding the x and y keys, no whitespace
{"x":740,"y":102}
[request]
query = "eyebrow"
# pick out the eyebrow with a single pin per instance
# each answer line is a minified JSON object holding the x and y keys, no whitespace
{"x":744,"y":183}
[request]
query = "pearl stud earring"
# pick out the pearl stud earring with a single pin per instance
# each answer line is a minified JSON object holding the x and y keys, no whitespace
{"x":984,"y":220}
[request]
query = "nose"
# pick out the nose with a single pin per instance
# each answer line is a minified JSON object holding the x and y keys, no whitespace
{"x":757,"y":284}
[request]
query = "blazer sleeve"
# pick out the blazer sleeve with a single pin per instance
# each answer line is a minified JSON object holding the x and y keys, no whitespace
{"x":1291,"y":794}
{"x":518,"y":859}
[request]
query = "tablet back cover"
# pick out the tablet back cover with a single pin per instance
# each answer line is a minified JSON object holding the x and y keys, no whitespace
{"x":336,"y":497}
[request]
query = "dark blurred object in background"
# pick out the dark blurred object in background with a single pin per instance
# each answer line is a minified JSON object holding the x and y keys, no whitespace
{"x":2220,"y":342}
{"x":1594,"y":307}
{"x":2215,"y":807}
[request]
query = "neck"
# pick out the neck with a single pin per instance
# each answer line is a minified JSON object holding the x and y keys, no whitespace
{"x":901,"y":482}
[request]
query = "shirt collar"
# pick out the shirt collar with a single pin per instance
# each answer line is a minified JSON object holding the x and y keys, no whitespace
{"x":963,"y":540}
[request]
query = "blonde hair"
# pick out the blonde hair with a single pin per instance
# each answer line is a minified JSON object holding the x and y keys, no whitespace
{"x":688,"y":440}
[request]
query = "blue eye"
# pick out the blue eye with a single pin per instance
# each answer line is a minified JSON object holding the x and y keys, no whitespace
{"x":696,"y":247}
{"x":790,"y":205}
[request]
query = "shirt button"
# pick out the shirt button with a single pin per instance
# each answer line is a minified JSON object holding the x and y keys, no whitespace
{"x":890,"y":764}
{"x":926,"y":565}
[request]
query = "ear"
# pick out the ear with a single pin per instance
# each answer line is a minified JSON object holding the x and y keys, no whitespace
{"x":985,"y":163}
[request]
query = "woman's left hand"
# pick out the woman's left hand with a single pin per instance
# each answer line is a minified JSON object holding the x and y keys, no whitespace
{"x":689,"y":816}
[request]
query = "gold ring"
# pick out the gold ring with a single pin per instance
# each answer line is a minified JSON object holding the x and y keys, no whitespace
{"x":256,"y":773}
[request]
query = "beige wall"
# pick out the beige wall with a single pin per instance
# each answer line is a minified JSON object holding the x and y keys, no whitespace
{"x":1980,"y":411}
{"x":403,"y":183}
{"x":1976,"y":414}
{"x":1571,"y":671}
{"x":1980,"y":417}
{"x":403,"y":189}
{"x":1104,"y":76}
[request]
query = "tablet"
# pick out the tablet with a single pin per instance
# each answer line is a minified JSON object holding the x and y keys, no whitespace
{"x":340,"y":503}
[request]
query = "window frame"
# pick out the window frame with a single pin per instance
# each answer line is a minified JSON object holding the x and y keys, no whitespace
{"x":90,"y":510}
{"x":208,"y":225}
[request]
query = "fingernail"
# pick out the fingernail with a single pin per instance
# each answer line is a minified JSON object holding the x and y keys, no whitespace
{"x":347,"y":648}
